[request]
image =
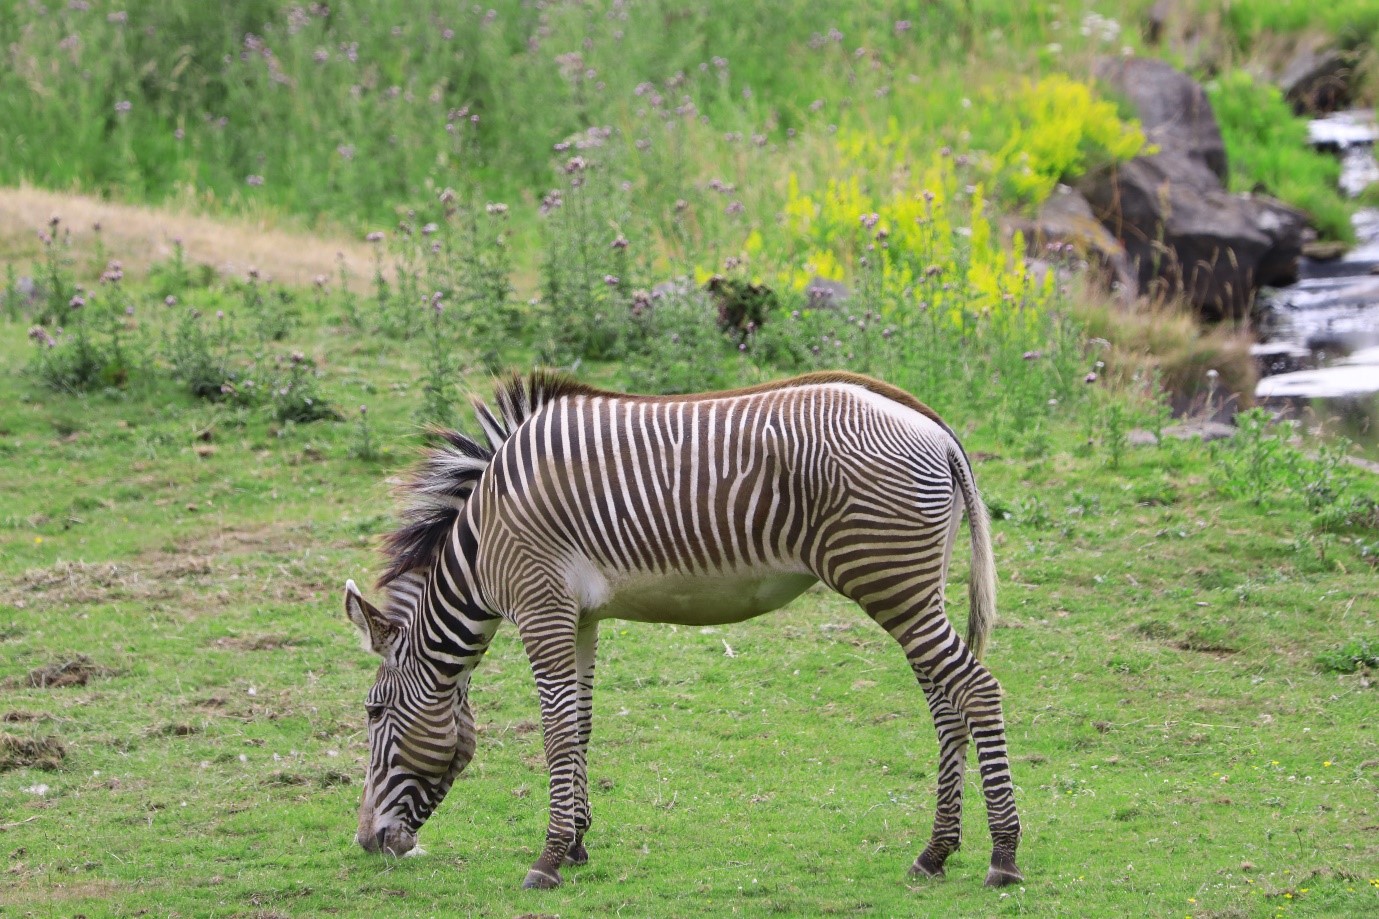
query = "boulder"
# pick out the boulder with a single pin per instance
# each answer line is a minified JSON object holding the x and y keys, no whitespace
{"x":1172,"y":107}
{"x":1066,"y":225}
{"x":1185,"y":235}
{"x":1316,"y":79}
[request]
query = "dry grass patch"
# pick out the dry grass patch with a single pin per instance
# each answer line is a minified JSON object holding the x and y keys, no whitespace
{"x":254,"y":643}
{"x":31,"y":752}
{"x":66,"y":584}
{"x":77,"y":671}
{"x":142,"y":235}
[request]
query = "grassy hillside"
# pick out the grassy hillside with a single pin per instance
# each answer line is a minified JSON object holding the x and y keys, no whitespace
{"x":193,"y":462}
{"x":1187,"y":647}
{"x":351,"y":114}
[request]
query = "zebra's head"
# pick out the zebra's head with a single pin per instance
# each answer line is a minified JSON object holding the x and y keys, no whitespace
{"x":421,"y":732}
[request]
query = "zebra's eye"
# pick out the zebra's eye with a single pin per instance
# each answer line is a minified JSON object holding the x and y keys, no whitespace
{"x":374,"y":710}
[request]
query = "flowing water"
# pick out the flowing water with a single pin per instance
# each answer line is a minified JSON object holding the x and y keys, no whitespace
{"x":1319,"y":338}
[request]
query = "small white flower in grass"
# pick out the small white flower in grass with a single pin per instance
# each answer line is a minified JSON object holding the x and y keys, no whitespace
{"x":252,"y":691}
{"x":39,"y":789}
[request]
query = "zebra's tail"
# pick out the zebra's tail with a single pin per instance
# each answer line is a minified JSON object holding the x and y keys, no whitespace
{"x":981,"y":585}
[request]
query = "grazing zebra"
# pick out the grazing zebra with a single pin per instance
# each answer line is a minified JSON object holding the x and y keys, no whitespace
{"x":697,"y":510}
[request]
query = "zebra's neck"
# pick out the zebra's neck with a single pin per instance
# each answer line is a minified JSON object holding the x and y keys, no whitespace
{"x":452,"y":625}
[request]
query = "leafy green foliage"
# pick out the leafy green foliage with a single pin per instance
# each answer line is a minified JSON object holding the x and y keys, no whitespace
{"x":1061,"y":131}
{"x":1267,"y":147}
{"x":1351,"y":656}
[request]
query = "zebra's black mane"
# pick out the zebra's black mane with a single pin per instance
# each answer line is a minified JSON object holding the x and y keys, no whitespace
{"x":435,"y":492}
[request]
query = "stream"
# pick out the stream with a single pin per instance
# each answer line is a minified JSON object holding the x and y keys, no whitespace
{"x":1319,"y":338}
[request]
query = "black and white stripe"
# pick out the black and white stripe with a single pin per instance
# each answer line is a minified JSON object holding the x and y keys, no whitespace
{"x":585,"y":505}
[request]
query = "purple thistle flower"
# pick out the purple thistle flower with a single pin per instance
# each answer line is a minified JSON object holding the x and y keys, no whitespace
{"x":611,"y":280}
{"x":254,"y":181}
{"x":39,"y":336}
{"x":375,"y":237}
{"x":619,"y":243}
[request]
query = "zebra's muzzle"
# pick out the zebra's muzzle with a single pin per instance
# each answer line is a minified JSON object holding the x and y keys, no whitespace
{"x":391,"y":840}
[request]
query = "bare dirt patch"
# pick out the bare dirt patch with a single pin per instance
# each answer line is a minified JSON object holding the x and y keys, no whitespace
{"x":31,"y":752}
{"x":78,"y":671}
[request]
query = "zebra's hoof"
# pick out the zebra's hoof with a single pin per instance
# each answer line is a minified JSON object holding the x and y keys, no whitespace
{"x":927,"y":867}
{"x":1004,"y":875}
{"x":578,"y":855}
{"x":540,"y":880}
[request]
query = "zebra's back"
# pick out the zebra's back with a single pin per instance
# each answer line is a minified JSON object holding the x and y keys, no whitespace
{"x":706,"y":510}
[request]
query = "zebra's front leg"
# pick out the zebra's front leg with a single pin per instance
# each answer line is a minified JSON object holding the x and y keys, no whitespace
{"x":550,"y":640}
{"x":586,"y":648}
{"x":952,"y":762}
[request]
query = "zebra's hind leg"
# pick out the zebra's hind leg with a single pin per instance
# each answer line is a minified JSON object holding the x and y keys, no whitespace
{"x":586,"y":648}
{"x":549,"y":639}
{"x":952,"y":763}
{"x":938,"y":655}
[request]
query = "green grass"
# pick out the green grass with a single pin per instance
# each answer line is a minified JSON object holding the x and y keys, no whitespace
{"x":1177,"y":747}
{"x":355,"y":116}
{"x":1353,"y":22}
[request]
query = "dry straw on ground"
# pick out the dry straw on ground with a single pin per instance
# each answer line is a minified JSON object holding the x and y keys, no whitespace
{"x":141,"y":236}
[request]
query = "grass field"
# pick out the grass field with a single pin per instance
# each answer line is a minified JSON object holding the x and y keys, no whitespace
{"x":1178,"y":748}
{"x":193,"y":463}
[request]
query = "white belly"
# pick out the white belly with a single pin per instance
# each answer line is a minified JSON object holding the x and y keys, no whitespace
{"x":701,"y":600}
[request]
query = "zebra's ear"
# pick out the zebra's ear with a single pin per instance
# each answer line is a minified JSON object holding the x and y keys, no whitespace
{"x":376,"y":630}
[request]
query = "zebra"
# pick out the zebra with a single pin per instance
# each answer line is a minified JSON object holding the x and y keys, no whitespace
{"x":580,"y":504}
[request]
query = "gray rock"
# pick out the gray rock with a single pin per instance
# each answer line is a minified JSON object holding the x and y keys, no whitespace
{"x":1172,"y":107}
{"x":1317,"y":78}
{"x":1185,"y":235}
{"x":1066,"y":220}
{"x":824,"y":293}
{"x":1206,"y":430}
{"x":1156,"y":21}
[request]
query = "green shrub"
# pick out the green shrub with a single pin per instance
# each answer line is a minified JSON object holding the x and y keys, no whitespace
{"x":1267,"y":147}
{"x":1351,"y":656}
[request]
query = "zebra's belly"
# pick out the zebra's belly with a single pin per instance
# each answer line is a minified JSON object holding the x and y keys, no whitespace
{"x":701,"y":600}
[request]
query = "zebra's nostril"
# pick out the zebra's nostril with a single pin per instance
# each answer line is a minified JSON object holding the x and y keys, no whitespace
{"x":378,"y":840}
